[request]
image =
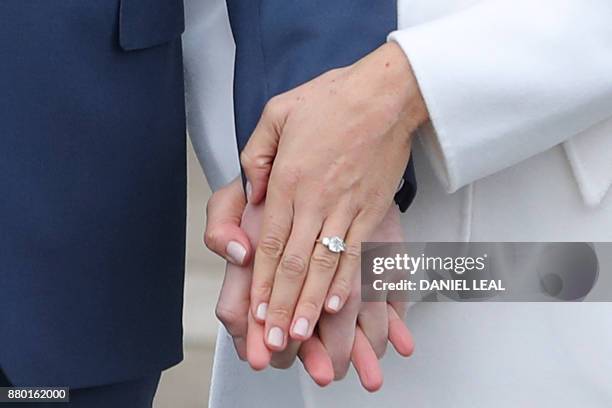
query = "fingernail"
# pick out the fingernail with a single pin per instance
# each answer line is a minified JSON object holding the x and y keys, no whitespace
{"x":262,"y":311}
{"x":301,"y":327}
{"x":275,"y":337}
{"x":334,"y":303}
{"x":235,"y":252}
{"x":249,"y":190}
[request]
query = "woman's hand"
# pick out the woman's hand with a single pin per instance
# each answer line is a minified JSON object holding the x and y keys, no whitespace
{"x":223,"y":234}
{"x":358,"y":333}
{"x":328,"y":156}
{"x":340,"y":340}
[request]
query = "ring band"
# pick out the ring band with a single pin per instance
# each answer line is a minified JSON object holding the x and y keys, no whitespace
{"x":334,"y":244}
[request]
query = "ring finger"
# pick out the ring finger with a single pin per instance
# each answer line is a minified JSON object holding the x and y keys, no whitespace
{"x":321,"y":270}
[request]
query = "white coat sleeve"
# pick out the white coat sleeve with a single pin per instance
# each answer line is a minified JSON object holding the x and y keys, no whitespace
{"x":208,"y":55}
{"x":504,"y":80}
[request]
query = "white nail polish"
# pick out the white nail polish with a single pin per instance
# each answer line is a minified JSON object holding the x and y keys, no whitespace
{"x":235,"y":252}
{"x":301,"y":327}
{"x":249,"y":190}
{"x":334,"y":303}
{"x":262,"y":311}
{"x":275,"y":337}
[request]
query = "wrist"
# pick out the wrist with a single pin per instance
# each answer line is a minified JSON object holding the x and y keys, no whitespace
{"x":392,"y":77}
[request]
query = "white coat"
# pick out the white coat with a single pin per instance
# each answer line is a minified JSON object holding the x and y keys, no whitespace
{"x":519,"y":149}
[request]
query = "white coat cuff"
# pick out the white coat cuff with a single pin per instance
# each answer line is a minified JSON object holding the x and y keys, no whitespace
{"x":502,"y":84}
{"x":440,"y":140}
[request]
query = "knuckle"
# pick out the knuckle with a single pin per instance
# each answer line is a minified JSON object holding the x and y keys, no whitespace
{"x":324,"y":260}
{"x":316,"y":205}
{"x":293,"y":266}
{"x":254,"y":162}
{"x":226,"y":315}
{"x":271,"y":246}
{"x":309,"y":307}
{"x":376,"y":212}
{"x":274,"y":107}
{"x":353,"y":208}
{"x":379,"y":197}
{"x":211,"y":237}
{"x":280,"y":314}
{"x":352,"y":252}
{"x":246,"y":159}
{"x":343,"y":287}
{"x":325,"y":188}
{"x":286,"y":176}
{"x":379,"y":204}
{"x":262,"y":290}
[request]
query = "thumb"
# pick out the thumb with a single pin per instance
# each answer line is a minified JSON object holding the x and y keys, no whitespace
{"x":223,"y":234}
{"x":258,"y":155}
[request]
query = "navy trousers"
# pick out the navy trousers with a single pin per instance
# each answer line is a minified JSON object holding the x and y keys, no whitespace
{"x":130,"y":394}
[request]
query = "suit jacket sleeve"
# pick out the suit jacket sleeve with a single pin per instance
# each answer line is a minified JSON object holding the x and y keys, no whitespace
{"x":507,"y":79}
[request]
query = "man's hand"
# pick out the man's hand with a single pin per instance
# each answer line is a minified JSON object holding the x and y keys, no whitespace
{"x":328,"y":156}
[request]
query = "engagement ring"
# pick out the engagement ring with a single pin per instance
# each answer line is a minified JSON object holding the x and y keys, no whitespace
{"x":334,"y":244}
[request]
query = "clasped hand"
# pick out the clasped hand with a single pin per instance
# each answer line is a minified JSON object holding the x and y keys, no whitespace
{"x":327,"y":157}
{"x":358,"y":333}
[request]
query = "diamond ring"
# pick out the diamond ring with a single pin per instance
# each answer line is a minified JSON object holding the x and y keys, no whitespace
{"x":334,"y":244}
